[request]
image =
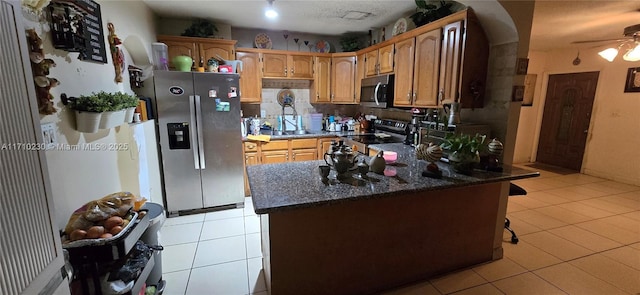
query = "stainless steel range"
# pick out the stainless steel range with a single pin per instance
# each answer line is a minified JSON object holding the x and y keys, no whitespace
{"x":385,"y":131}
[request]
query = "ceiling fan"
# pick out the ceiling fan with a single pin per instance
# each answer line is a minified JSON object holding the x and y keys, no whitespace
{"x":630,"y":43}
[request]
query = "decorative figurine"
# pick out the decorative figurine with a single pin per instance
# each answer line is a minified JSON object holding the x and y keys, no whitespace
{"x":495,"y":149}
{"x":431,"y":153}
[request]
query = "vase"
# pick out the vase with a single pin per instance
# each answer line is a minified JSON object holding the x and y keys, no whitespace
{"x":464,"y":163}
{"x":88,"y":121}
{"x":182,"y":63}
{"x":112,"y":119}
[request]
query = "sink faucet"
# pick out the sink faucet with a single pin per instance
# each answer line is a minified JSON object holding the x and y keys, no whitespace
{"x":295,"y":119}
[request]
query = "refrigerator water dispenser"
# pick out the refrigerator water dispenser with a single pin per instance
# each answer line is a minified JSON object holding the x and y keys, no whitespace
{"x":178,"y":136}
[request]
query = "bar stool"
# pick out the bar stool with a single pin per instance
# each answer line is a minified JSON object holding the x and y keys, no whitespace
{"x":514,"y":190}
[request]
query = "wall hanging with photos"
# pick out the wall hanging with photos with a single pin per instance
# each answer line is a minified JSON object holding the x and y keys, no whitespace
{"x":76,"y":26}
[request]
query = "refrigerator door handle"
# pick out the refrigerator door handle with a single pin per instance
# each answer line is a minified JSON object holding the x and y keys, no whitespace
{"x":192,"y":114}
{"x":199,"y":128}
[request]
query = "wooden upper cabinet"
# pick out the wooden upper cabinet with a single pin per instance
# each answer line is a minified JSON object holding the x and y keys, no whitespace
{"x":300,"y":66}
{"x":360,"y":73}
{"x":222,"y":48}
{"x":199,"y":49}
{"x":322,"y":80}
{"x":371,"y":63}
{"x":176,"y":48}
{"x":417,"y":61}
{"x":343,"y":74}
{"x":274,"y":65}
{"x":385,"y":59}
{"x":250,"y":77}
{"x":380,"y":61}
{"x":426,"y":66}
{"x":404,"y":73}
{"x":450,"y":61}
{"x":282,"y":65}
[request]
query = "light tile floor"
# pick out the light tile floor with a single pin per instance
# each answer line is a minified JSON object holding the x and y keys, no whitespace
{"x":578,"y":235}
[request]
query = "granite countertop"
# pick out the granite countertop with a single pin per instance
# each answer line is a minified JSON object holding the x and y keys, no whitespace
{"x":293,"y":185}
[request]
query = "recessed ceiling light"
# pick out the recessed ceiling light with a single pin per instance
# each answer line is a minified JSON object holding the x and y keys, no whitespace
{"x":270,"y":12}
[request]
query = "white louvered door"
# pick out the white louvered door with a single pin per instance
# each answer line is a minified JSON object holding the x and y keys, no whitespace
{"x":30,"y":249}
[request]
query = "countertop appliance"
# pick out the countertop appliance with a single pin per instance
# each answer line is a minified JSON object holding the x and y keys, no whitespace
{"x":200,"y":140}
{"x":385,"y":131}
{"x":377,"y":91}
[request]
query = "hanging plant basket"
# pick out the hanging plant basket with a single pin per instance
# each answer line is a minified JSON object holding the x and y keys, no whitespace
{"x":88,"y":122}
{"x":112,"y":119}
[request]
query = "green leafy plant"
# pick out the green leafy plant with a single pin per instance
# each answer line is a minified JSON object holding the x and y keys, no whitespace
{"x":350,"y":43}
{"x":103,"y":102}
{"x":463,"y":144}
{"x":464,"y":151}
{"x":427,"y":12}
{"x":200,"y":28}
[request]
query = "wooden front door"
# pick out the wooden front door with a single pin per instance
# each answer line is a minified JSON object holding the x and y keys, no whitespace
{"x":565,"y":122}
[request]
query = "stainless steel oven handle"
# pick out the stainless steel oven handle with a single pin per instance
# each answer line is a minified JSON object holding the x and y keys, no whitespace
{"x":194,"y":144}
{"x":375,"y":93}
{"x":200,"y":137}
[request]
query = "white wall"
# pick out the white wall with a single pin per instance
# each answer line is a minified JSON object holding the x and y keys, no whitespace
{"x":80,"y":176}
{"x":614,"y":132}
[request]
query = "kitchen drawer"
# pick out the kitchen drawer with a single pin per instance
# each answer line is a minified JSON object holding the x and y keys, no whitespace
{"x":275,"y":145}
{"x":250,"y":147}
{"x":304,"y":143}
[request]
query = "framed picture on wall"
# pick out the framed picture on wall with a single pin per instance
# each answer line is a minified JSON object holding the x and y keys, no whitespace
{"x":522,"y":65}
{"x":518,"y":93}
{"x":529,"y":85}
{"x":633,"y":80}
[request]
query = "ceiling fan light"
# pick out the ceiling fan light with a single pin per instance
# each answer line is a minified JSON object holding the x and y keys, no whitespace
{"x":609,"y":54}
{"x":633,"y":54}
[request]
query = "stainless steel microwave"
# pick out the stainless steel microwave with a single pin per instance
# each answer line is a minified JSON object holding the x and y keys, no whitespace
{"x":377,"y":91}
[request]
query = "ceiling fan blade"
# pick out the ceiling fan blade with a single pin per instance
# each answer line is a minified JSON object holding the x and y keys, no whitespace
{"x":601,"y":40}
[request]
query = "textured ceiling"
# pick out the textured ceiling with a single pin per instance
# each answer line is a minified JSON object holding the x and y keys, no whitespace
{"x":556,"y":23}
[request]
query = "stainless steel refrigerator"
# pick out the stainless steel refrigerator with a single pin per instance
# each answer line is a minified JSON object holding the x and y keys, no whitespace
{"x":198,"y":117}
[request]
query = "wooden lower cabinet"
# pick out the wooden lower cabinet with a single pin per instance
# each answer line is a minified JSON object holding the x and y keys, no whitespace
{"x":304,"y":155}
{"x":272,"y":157}
{"x":282,"y":151}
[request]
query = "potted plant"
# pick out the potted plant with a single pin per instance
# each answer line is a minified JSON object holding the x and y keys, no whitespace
{"x":350,"y":43}
{"x":201,"y":28}
{"x":463,"y":150}
{"x":426,"y":12}
{"x":88,"y":109}
{"x":115,"y":113}
{"x":129,"y":103}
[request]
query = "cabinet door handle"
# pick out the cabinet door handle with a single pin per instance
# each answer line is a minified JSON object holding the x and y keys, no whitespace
{"x":414,"y":96}
{"x":294,"y":157}
{"x":285,"y":71}
{"x":292,"y":72}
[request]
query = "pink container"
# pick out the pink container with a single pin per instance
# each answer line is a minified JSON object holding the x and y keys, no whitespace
{"x":390,"y":157}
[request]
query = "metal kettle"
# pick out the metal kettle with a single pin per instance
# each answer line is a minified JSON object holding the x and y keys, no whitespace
{"x":453,"y":111}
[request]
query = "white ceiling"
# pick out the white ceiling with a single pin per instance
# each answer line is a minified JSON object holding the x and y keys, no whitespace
{"x":556,"y":23}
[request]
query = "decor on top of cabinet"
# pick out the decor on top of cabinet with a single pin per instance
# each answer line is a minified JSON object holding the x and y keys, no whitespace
{"x":101,"y":110}
{"x":115,"y":46}
{"x":201,"y":28}
{"x":351,"y":43}
{"x":463,"y":151}
{"x":427,"y":12}
{"x":40,"y":67}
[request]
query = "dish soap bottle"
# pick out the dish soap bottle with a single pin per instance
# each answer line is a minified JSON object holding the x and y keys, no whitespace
{"x":377,"y":163}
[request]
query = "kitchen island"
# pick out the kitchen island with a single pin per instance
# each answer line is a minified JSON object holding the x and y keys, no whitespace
{"x":366,"y":235}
